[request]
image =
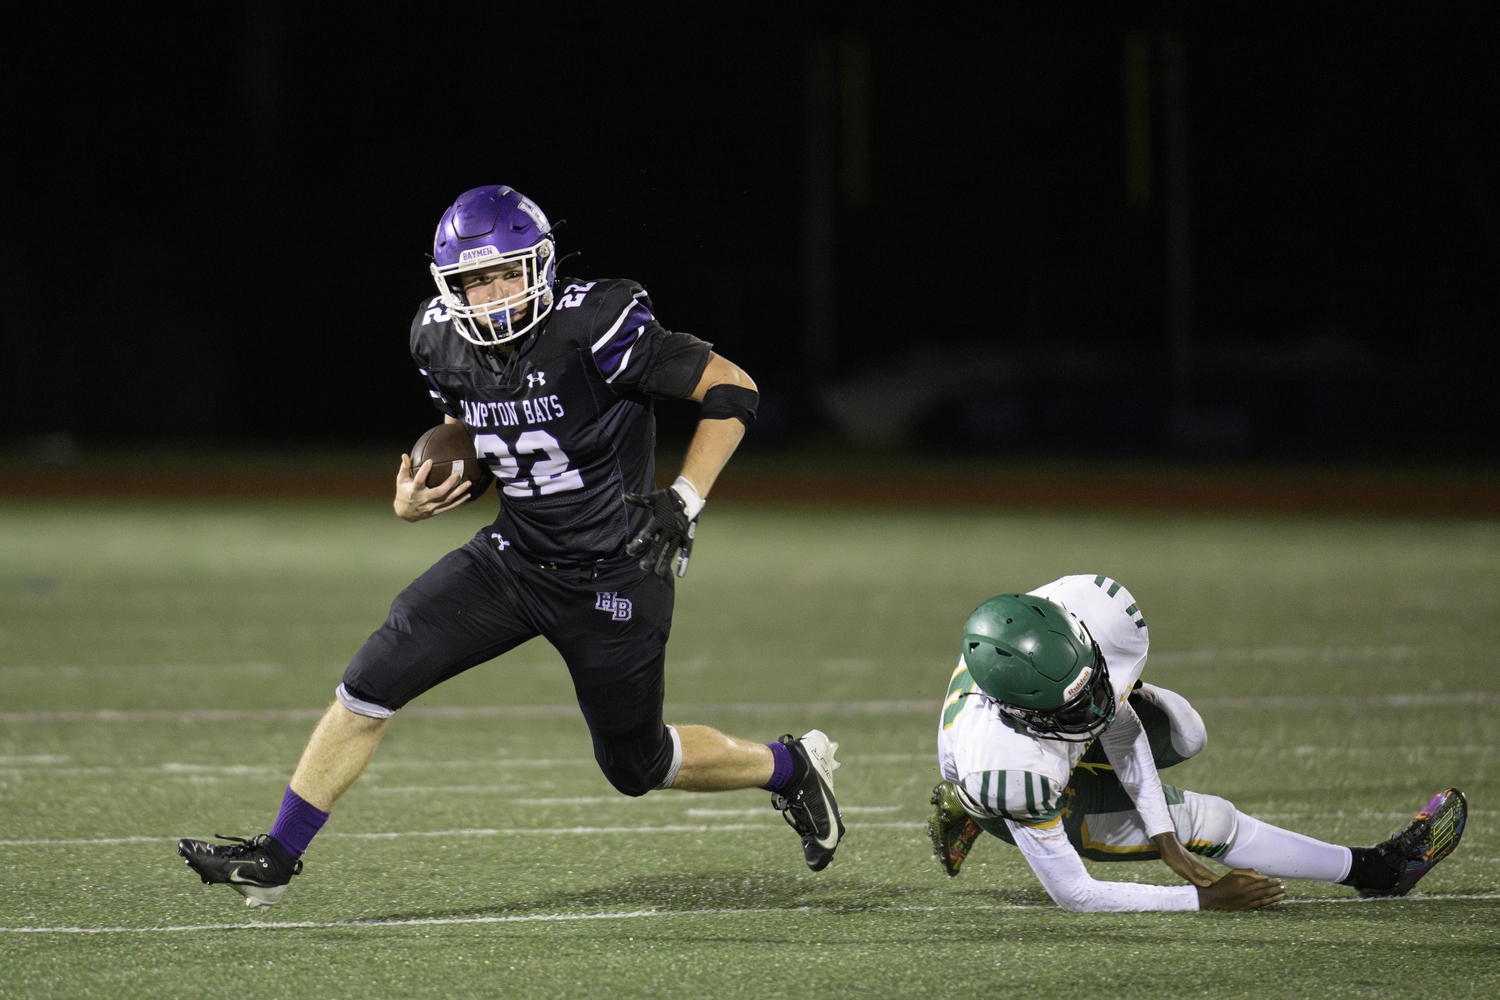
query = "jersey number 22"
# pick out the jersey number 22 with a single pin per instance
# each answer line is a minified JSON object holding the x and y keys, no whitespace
{"x":549,"y":472}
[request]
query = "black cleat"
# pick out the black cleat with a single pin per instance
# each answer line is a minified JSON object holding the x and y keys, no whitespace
{"x":953,"y":831}
{"x":258,"y":869}
{"x":810,"y":808}
{"x":1427,"y":839}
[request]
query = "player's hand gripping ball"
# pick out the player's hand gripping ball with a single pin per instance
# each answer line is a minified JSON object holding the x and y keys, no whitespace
{"x":450,"y":449}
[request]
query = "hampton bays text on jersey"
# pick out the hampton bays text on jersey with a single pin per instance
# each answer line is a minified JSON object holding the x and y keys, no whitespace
{"x":510,"y":414}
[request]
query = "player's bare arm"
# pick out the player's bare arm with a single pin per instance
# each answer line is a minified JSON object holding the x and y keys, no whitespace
{"x":715,"y":439}
{"x":728,"y":400}
{"x":1182,"y":861}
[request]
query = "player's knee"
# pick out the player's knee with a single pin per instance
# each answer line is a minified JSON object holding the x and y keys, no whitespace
{"x":635,"y":765}
{"x":633,"y":777}
{"x":1206,"y":824}
{"x":361,"y":705}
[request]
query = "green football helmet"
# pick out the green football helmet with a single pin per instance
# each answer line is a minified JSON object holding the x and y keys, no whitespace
{"x":1041,"y":665}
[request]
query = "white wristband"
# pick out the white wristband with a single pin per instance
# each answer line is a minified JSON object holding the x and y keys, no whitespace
{"x":690,"y":497}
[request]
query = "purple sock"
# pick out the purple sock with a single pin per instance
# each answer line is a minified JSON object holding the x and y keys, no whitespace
{"x":783,"y":769}
{"x":298,"y":823}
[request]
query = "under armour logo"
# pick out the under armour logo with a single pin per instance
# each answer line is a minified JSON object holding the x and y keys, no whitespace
{"x":536,"y":378}
{"x":500,"y":541}
{"x":619,"y":607}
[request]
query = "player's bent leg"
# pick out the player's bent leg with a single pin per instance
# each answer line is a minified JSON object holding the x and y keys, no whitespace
{"x":640,"y":761}
{"x":260,"y":867}
{"x":618,"y":661}
{"x":337,"y":754}
{"x":797,"y":772}
{"x":1271,"y":850}
{"x":1390,"y":868}
{"x":1205,"y":825}
{"x":717,"y":762}
{"x":459,"y":613}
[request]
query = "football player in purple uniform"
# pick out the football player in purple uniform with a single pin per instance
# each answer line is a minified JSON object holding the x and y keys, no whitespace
{"x":554,"y":379}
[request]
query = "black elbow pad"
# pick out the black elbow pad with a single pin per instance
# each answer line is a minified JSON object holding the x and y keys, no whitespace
{"x":722,"y":402}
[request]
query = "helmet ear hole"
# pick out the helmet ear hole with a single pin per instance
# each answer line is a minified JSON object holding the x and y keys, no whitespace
{"x":1002,"y":652}
{"x":973,"y":646}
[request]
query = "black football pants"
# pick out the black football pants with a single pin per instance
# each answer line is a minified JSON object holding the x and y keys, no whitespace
{"x":609,"y":620}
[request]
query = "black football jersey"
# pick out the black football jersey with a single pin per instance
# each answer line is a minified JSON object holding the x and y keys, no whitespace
{"x":565,"y":422}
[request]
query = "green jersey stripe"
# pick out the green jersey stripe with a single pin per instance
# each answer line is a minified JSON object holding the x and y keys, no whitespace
{"x":1019,"y":795}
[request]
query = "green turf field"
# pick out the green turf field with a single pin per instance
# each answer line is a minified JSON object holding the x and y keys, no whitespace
{"x":161,"y":664}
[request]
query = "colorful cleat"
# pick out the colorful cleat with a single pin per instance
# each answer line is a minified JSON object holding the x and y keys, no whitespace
{"x":1427,"y":839}
{"x":810,"y":808}
{"x":953,"y":831}
{"x":258,"y":869}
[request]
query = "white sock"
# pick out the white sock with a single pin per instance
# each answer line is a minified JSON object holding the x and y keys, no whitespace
{"x":1271,"y":850}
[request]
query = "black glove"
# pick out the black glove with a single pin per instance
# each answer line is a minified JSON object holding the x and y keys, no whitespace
{"x":668,"y":531}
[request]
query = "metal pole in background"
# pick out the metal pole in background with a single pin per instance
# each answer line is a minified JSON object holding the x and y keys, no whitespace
{"x":1138,"y":165}
{"x":854,"y":129}
{"x":820,"y":138}
{"x":1179,"y":232}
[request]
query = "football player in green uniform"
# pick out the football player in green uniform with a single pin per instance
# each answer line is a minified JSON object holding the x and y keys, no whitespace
{"x":1050,"y":741}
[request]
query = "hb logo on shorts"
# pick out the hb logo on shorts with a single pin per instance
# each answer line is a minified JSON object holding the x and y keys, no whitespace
{"x":619,"y":607}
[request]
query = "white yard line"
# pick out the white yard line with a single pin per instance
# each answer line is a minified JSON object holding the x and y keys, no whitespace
{"x":640,"y":914}
{"x":87,"y":840}
{"x":844,"y":810}
{"x":816,"y":708}
{"x":551,"y":831}
{"x":469,"y":712}
{"x":591,"y":830}
{"x":669,"y":828}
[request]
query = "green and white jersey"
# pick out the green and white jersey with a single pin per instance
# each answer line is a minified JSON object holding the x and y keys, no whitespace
{"x":1002,"y":773}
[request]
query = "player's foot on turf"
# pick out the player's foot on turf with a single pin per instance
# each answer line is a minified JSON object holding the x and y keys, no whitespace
{"x":953,"y":831}
{"x":258,"y":868}
{"x":809,"y":807}
{"x":1427,"y":839}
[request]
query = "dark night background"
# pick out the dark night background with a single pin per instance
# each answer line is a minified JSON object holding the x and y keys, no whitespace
{"x":216,"y":224}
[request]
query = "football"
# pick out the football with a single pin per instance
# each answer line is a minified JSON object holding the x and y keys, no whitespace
{"x":450,"y":447}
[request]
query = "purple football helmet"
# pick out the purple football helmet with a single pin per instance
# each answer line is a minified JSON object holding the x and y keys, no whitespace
{"x":484,"y":228}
